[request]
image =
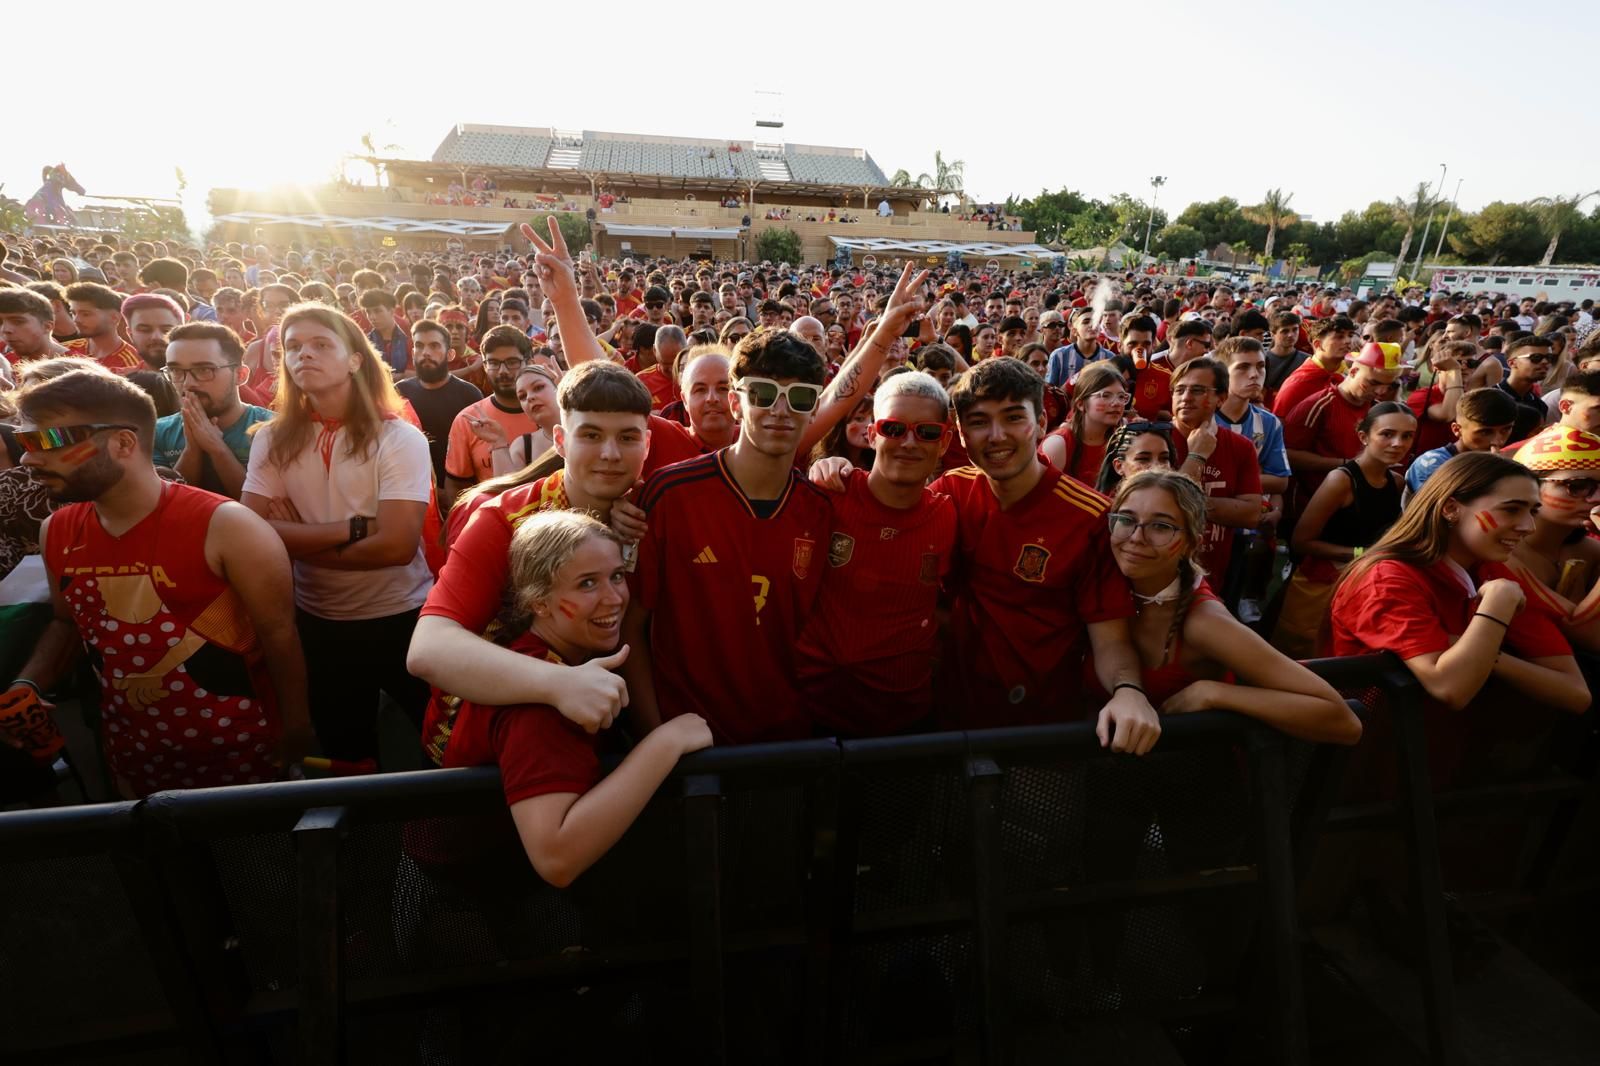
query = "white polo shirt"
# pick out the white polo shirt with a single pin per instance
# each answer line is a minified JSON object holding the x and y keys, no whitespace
{"x":398,"y":468}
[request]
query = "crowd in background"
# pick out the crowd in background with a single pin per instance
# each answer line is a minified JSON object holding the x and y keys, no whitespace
{"x":548,"y":506}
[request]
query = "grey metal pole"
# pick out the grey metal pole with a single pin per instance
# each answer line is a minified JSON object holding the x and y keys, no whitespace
{"x":1422,"y":246}
{"x":1445,"y":231}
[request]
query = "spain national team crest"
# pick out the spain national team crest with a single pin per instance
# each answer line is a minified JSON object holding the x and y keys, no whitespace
{"x":802,"y":556}
{"x":1031,"y":563}
{"x":840,"y":548}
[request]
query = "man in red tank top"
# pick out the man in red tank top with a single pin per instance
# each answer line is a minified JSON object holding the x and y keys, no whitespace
{"x":182,"y":598}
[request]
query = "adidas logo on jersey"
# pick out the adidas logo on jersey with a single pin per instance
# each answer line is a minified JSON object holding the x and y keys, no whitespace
{"x":706,"y":556}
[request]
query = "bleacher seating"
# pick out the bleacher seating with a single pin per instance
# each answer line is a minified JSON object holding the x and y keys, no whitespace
{"x":704,"y":160}
{"x":481,"y":148}
{"x":824,"y":169}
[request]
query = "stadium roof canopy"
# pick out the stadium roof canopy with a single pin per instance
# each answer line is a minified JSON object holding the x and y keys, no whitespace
{"x":384,"y":224}
{"x":974,"y":248}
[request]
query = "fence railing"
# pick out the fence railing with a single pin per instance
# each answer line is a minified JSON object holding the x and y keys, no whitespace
{"x":817,"y":901}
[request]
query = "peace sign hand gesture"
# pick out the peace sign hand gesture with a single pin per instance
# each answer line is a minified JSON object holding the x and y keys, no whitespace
{"x":551,"y":261}
{"x":905,"y":304}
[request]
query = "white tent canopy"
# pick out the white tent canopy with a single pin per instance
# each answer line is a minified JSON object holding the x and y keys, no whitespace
{"x":979,"y":249}
{"x":686,"y":232}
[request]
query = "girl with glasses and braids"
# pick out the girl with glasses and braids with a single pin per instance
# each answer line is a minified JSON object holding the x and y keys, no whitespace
{"x":1194,"y":655}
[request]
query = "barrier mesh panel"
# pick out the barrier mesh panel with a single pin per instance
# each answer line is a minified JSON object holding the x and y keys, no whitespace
{"x":59,"y":913}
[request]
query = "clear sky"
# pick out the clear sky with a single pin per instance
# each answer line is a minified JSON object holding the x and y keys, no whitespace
{"x":1339,"y":105}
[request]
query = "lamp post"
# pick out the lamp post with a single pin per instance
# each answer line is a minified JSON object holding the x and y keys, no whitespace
{"x":1155,"y":191}
{"x":1445,"y":230}
{"x":1422,"y":246}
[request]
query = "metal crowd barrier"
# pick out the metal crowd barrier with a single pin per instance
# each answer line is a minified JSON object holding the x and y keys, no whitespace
{"x":942,"y":895}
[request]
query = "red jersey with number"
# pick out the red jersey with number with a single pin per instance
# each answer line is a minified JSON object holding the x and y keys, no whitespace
{"x":1029,"y":580}
{"x":185,"y":698}
{"x":867,"y":653}
{"x":1233,"y":470}
{"x":730,"y":582}
{"x":1324,"y":424}
{"x":1307,"y":379}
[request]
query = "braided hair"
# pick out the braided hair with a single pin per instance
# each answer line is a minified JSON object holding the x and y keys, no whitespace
{"x":1117,"y":448}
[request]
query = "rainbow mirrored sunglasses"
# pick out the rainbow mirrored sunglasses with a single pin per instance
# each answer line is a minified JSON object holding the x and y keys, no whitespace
{"x":45,"y":440}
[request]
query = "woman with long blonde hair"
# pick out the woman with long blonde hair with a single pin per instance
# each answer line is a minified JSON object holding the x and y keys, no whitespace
{"x":346,"y":483}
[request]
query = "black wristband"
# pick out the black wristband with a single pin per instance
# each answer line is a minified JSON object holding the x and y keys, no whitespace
{"x":1129,"y":684}
{"x":1492,"y":618}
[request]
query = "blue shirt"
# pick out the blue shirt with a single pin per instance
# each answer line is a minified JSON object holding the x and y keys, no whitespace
{"x":169,"y":442}
{"x":1424,"y":465}
{"x":1067,"y":362}
{"x":397,"y":353}
{"x":1263,"y":429}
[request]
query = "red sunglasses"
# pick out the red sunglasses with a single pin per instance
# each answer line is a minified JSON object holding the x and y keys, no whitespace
{"x":894,"y":429}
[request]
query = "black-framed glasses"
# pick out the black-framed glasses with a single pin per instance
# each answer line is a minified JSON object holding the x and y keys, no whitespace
{"x":1148,"y":427}
{"x":203,"y":374}
{"x":1157,"y":534}
{"x":495,"y":365}
{"x":1192,"y":390}
{"x":48,"y":440}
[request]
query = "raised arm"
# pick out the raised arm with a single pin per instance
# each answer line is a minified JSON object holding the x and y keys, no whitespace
{"x":553,"y":263}
{"x":860,"y":370}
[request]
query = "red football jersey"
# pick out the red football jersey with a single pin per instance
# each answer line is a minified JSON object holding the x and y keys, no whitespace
{"x":1308,"y":379}
{"x":1233,"y":470}
{"x":729,"y":591}
{"x":538,"y":751}
{"x":1152,"y":391}
{"x":663,"y":389}
{"x":1029,"y":579}
{"x":866,"y":657}
{"x":1325,"y":424}
{"x":1430,"y":434}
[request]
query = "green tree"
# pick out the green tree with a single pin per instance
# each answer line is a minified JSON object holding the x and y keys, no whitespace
{"x":1049,"y":214}
{"x":779,"y":245}
{"x":1412,"y":213}
{"x":1272,"y":212}
{"x":1132,"y":214}
{"x":1221,"y":220}
{"x":1501,"y":232}
{"x":902,"y":178}
{"x":1177,"y":241}
{"x":574,"y":228}
{"x":1556,"y":215}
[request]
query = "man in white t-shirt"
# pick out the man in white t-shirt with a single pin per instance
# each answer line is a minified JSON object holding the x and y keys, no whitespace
{"x":345,"y":482}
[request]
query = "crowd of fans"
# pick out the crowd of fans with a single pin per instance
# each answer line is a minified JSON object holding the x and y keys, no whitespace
{"x":550,"y":507}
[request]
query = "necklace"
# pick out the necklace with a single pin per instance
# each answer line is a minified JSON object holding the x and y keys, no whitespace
{"x":1166,"y":595}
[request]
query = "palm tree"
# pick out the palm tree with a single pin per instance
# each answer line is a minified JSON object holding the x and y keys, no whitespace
{"x":1272,"y":212}
{"x":371,"y":150}
{"x":902,"y":178}
{"x":1413,"y":213}
{"x":1557,"y":214}
{"x":947,"y":176}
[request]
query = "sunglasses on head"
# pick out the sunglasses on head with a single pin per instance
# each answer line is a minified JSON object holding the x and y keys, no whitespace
{"x":764,"y":392}
{"x":46,"y":440}
{"x":894,"y":429}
